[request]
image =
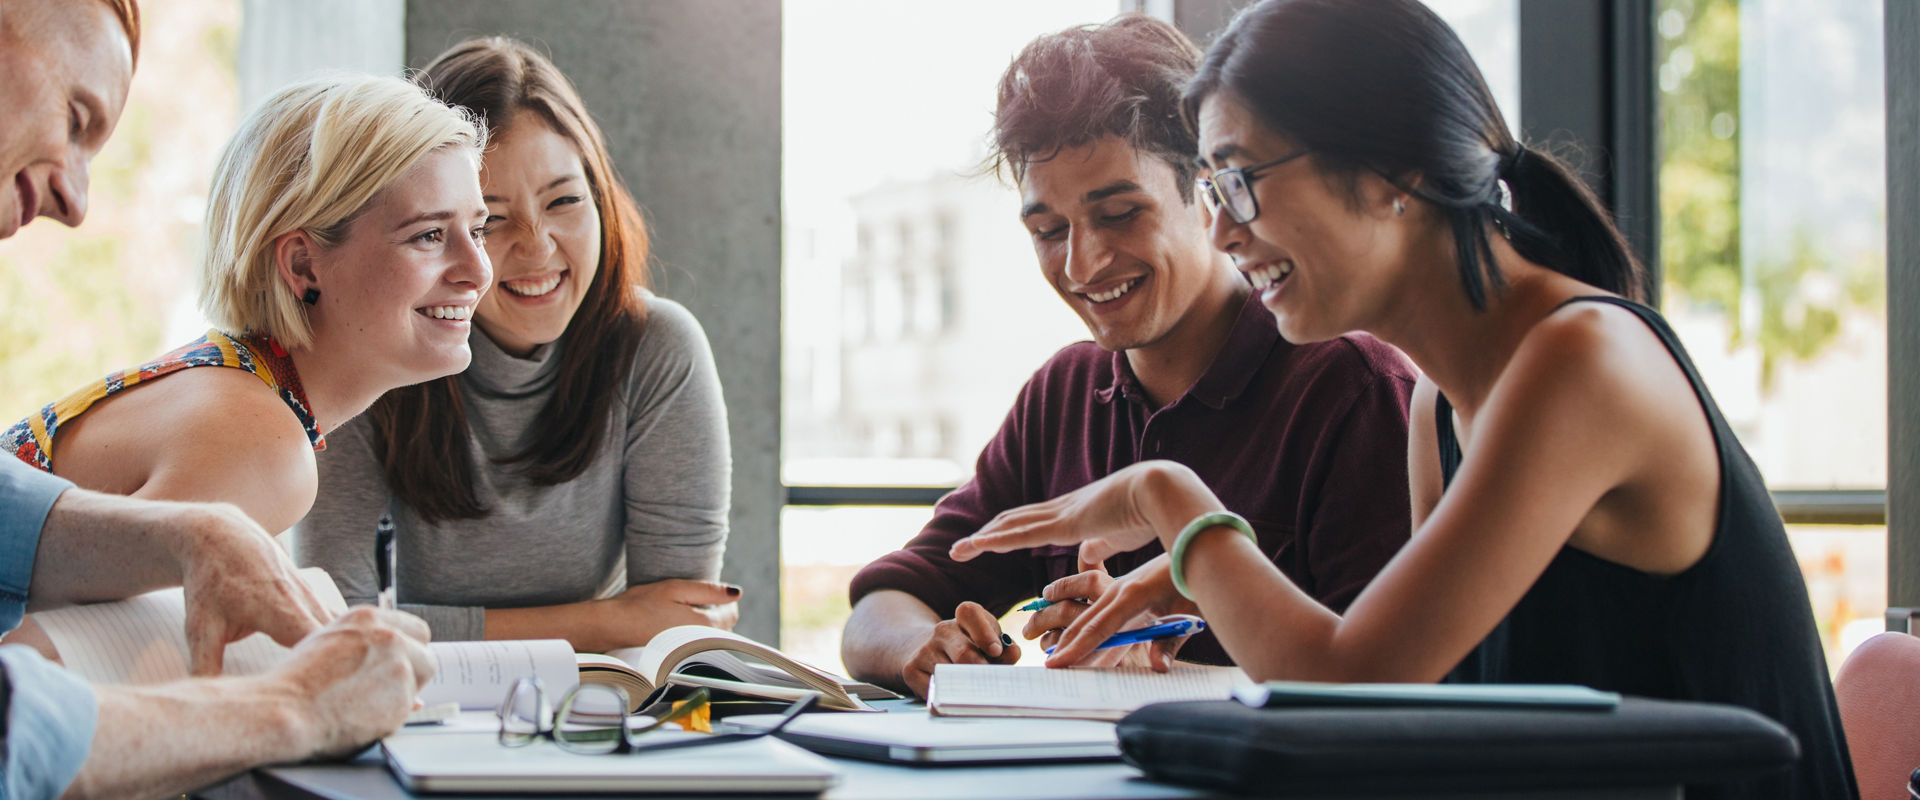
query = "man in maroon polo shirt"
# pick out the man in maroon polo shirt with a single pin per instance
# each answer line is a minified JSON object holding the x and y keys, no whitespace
{"x":1307,"y":442}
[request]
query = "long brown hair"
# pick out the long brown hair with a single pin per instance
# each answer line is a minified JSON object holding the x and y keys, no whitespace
{"x":421,"y":434}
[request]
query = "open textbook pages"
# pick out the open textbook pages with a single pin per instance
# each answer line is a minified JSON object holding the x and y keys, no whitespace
{"x":994,"y":690}
{"x":696,"y":655}
{"x":143,"y":640}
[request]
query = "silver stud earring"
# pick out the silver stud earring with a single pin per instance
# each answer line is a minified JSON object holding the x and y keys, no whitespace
{"x":1399,"y":207}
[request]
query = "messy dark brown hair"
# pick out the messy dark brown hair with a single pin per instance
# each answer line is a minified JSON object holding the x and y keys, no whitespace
{"x":1122,"y":78}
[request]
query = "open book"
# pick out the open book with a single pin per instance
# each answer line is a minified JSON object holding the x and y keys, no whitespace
{"x":142,"y":640}
{"x":696,"y":655}
{"x":995,"y":690}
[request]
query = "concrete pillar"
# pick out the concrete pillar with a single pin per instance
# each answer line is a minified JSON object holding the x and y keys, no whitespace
{"x":688,"y":92}
{"x":281,"y":42}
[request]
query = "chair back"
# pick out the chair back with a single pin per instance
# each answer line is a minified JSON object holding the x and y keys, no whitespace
{"x":1878,"y":689}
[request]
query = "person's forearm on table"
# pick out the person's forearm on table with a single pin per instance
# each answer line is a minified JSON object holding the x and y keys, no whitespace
{"x":97,"y":547}
{"x":884,"y":631}
{"x":155,"y":741}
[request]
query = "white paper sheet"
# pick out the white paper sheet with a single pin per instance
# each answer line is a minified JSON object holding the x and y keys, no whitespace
{"x":143,"y":640}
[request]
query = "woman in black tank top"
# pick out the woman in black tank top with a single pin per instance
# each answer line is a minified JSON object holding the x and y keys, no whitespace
{"x":1583,"y":514}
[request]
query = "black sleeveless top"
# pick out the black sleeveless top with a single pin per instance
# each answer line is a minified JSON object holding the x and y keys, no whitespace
{"x":1735,"y":628}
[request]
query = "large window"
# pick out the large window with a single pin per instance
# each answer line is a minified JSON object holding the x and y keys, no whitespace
{"x":913,"y":308}
{"x":1773,"y":255}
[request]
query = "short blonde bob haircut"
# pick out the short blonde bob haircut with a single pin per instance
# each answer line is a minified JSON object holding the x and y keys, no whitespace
{"x":309,"y":159}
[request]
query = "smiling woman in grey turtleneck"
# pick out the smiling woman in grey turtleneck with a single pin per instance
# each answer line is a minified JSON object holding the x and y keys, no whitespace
{"x":573,"y":482}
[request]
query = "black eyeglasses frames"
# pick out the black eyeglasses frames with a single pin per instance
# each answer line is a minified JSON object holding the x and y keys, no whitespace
{"x":591,"y":719}
{"x":1232,"y":189}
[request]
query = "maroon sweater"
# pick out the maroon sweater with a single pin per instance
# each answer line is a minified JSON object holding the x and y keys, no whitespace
{"x":1308,"y":442}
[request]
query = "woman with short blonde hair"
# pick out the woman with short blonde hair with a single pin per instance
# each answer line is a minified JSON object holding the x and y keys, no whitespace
{"x":343,"y":259}
{"x":310,"y":160}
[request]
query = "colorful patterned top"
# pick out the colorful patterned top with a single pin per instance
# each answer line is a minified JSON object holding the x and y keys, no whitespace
{"x":31,"y":439}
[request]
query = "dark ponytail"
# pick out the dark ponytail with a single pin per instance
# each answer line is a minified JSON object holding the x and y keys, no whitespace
{"x":1557,"y":222}
{"x":1385,"y":86}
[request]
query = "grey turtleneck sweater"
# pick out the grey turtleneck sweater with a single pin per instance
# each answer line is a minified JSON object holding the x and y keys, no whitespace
{"x":651,"y":506}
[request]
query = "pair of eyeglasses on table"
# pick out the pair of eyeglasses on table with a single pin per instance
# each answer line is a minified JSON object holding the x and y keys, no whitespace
{"x":592,"y":719}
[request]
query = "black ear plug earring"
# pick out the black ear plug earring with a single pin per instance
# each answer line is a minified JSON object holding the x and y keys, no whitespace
{"x":311,"y":297}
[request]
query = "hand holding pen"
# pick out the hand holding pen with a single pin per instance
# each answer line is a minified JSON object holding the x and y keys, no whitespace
{"x":1064,"y":601}
{"x":385,"y":566}
{"x":971,"y":636}
{"x":1075,"y":631}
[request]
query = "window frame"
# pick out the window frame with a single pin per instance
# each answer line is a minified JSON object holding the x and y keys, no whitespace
{"x":1902,"y":43}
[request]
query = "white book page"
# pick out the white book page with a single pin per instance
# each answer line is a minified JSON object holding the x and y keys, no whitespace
{"x":648,"y":659}
{"x":143,"y":639}
{"x":741,"y":668}
{"x":698,"y":643}
{"x":1116,"y":689}
{"x":631,"y":656}
{"x":478,"y":674}
{"x":749,"y":671}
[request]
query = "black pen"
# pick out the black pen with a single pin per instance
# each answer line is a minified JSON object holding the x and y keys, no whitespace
{"x":383,"y":559}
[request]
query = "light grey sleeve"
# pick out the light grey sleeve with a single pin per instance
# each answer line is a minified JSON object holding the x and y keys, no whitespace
{"x":337,"y":535}
{"x":679,"y":470}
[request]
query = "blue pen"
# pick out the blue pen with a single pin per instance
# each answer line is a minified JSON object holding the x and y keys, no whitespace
{"x":1035,"y":605}
{"x":1165,"y":628}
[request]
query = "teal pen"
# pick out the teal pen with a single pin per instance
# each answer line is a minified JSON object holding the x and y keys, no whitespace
{"x":1035,"y":605}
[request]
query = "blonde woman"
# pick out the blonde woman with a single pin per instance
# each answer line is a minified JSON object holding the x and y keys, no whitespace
{"x":343,"y":260}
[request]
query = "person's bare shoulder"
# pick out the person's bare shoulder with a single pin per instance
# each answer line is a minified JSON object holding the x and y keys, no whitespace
{"x":228,"y":437}
{"x":1617,"y":361}
{"x":1599,"y":375}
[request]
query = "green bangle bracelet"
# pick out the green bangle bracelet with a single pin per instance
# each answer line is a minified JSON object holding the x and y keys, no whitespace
{"x":1200,"y":523}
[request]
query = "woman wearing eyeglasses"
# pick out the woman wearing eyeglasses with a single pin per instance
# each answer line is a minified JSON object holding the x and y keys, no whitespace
{"x":1583,"y":514}
{"x":573,"y":482}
